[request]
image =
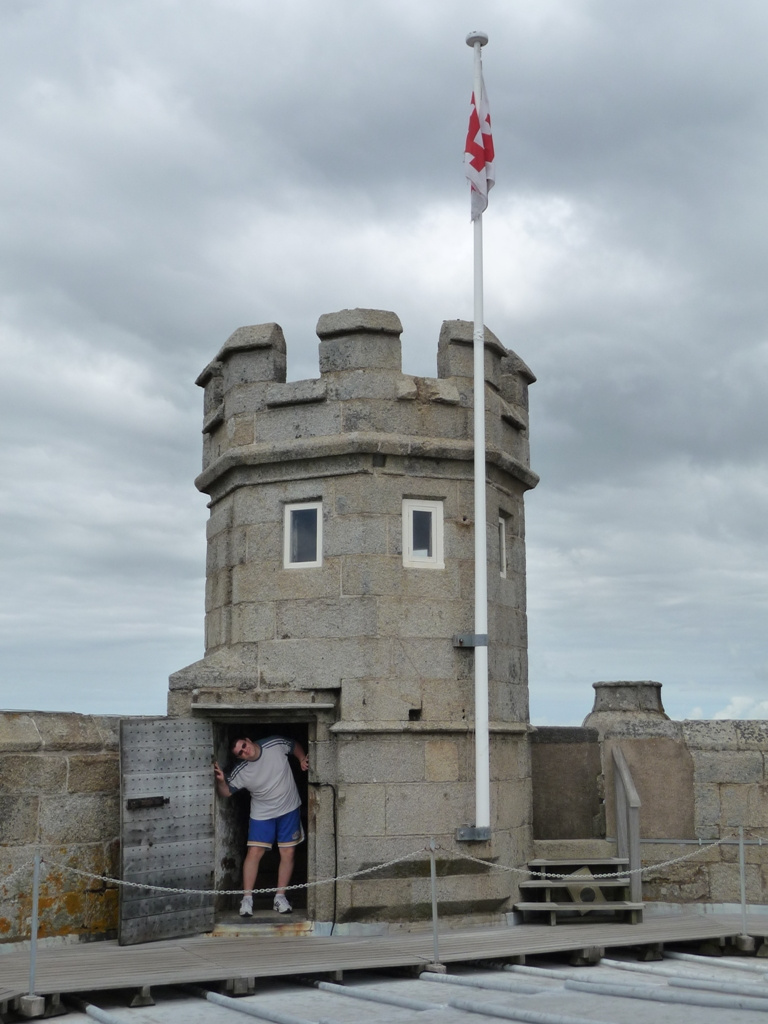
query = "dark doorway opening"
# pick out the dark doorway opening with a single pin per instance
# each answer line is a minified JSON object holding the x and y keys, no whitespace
{"x":233,"y":814}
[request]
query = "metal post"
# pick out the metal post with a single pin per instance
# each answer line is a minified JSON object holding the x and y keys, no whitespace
{"x":482,"y":739}
{"x":433,"y":874}
{"x":743,"y":881}
{"x":34,"y":925}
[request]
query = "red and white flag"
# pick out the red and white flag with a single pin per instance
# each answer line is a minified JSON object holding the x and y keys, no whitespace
{"x":478,"y":154}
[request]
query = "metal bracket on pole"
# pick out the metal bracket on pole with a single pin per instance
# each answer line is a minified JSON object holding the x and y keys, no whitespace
{"x":470,"y":640}
{"x":473,"y":834}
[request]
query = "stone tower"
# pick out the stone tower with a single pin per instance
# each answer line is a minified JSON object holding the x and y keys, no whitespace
{"x":340,"y":572}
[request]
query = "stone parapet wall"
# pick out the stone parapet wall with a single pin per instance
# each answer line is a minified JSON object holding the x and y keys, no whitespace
{"x":59,"y":796}
{"x":696,"y":780}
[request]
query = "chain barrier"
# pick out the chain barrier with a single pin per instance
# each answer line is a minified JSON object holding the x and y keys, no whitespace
{"x":108,"y":879}
{"x":234,"y":892}
{"x":26,"y":866}
{"x":649,"y":869}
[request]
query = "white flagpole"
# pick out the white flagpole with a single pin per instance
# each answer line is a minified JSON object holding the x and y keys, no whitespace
{"x":482,"y":746}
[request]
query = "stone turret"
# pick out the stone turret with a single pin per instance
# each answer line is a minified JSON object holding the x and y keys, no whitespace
{"x":340,"y":571}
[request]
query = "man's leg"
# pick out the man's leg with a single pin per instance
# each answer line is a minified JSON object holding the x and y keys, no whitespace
{"x":251,"y":867}
{"x":285,"y":870}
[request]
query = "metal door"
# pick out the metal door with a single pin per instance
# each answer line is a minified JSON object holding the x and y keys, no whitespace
{"x":166,"y":828}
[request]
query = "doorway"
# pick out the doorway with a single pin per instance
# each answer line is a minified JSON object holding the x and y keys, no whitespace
{"x":231,"y":820}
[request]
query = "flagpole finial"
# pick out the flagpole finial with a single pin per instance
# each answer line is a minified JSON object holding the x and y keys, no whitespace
{"x":477,"y":37}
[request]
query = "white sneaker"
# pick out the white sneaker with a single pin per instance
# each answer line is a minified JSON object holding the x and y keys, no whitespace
{"x":281,"y":904}
{"x":246,"y":906}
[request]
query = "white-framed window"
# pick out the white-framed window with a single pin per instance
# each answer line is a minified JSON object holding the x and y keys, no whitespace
{"x":423,"y":534}
{"x":502,"y":547}
{"x":303,"y":535}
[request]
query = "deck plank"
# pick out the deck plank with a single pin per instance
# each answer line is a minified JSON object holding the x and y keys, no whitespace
{"x":105,"y":965}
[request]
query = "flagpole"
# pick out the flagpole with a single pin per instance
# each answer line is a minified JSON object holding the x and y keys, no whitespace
{"x":482,"y":745}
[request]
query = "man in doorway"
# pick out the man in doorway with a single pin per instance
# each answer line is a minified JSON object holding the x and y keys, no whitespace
{"x":275,"y":815}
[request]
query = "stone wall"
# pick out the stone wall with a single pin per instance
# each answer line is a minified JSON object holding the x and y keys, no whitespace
{"x":696,"y":780}
{"x":567,"y":777}
{"x":59,"y":795}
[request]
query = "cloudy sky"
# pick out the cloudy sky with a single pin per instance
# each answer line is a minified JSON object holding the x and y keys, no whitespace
{"x":173,"y":169}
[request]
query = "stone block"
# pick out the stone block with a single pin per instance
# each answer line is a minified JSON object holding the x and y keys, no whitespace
{"x":510,"y":805}
{"x":341,"y":617}
{"x":757,"y":807}
{"x":455,"y":352}
{"x":93,"y":818}
{"x":255,"y":352}
{"x":379,"y":700}
{"x":404,"y":421}
{"x":271,"y":582}
{"x":219,"y":520}
{"x":11,"y":925}
{"x":710,"y":735}
{"x":728,"y":766}
{"x":372,"y":385}
{"x":218,"y":589}
{"x":361,"y":810}
{"x":448,"y":700}
{"x":424,"y":809}
{"x":508,"y":668}
{"x":251,"y":504}
{"x":688,"y":882}
{"x":356,"y":535}
{"x":428,"y":658}
{"x":91,"y":773}
{"x":508,"y":702}
{"x":385,"y":575}
{"x":752,"y":735}
{"x":366,"y":495}
{"x":354,"y":339}
{"x":218,"y":554}
{"x":725,"y":885}
{"x":217,"y":632}
{"x":382,"y":758}
{"x":65,"y":731}
{"x":734,"y":806}
{"x":510,"y":758}
{"x":252,"y":623}
{"x":322,"y":663}
{"x":240,"y":430}
{"x":290,"y":422}
{"x":18,"y":731}
{"x":18,"y":819}
{"x":706,"y":798}
{"x":32,"y":773}
{"x":417,"y":617}
{"x":109,"y":730}
{"x":262,"y":542}
{"x":441,"y":760}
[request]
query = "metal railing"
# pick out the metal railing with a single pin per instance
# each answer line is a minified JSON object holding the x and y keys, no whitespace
{"x":628,"y":822}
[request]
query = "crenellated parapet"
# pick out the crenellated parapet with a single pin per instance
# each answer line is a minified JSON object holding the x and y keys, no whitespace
{"x":361,"y":405}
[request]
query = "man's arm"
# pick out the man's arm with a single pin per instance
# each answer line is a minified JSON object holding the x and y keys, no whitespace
{"x":222,"y":787}
{"x":301,"y":757}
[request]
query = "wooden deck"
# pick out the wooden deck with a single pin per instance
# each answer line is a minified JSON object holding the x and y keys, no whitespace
{"x":105,"y":965}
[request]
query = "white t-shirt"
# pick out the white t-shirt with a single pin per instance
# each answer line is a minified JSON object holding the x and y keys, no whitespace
{"x":268,"y":779}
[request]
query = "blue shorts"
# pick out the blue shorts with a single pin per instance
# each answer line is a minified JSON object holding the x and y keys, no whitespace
{"x":286,"y":830}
